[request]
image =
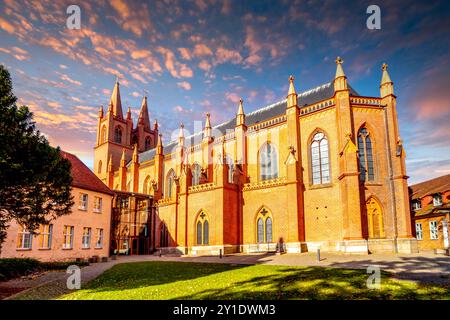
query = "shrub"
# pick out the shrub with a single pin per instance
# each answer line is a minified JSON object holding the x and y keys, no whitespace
{"x":61,"y":265}
{"x":17,"y":267}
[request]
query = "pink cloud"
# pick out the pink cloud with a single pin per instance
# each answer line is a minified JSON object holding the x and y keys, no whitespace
{"x":184,"y":85}
{"x":202,"y":50}
{"x":185,"y":54}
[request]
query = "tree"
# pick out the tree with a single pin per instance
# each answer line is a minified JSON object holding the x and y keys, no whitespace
{"x":35,"y":180}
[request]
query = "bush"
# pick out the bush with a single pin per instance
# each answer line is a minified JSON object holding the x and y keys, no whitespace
{"x":19,"y":267}
{"x":61,"y":265}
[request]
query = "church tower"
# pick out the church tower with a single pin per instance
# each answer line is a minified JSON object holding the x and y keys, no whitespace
{"x":113,"y":136}
{"x":143,"y":135}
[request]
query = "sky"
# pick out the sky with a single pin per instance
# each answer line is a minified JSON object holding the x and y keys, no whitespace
{"x":196,"y":56}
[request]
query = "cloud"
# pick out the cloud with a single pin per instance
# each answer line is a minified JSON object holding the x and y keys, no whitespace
{"x":133,"y":16}
{"x":184,"y":85}
{"x":17,"y":53}
{"x":233,"y":97}
{"x":65,"y":77}
{"x":185,"y":53}
{"x":224,"y":55}
{"x":176,"y":69}
{"x":202,"y":50}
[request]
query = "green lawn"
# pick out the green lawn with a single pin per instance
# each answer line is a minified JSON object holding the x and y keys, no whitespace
{"x":183,"y":280}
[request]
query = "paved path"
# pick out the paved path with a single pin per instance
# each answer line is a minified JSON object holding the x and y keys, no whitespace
{"x":428,"y":268}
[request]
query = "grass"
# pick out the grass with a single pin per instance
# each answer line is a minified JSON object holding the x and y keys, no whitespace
{"x":185,"y":280}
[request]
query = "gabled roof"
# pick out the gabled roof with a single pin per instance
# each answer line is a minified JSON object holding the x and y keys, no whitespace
{"x":430,"y":187}
{"x":83,"y":177}
{"x":306,"y":98}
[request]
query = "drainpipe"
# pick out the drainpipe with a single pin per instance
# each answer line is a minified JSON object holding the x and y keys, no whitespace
{"x":391,"y":181}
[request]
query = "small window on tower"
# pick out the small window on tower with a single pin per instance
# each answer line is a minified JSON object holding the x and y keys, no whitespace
{"x":118,"y":135}
{"x":148,"y":143}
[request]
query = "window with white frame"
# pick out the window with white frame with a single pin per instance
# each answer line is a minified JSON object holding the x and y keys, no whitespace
{"x":437,"y":200}
{"x":86,"y":238}
{"x":417,"y":205}
{"x":83,"y":204}
{"x":25,"y":239}
{"x":419,"y":234}
{"x":97,"y":204}
{"x":99,"y":238}
{"x":434,"y":235}
{"x":46,"y":233}
{"x":68,"y":237}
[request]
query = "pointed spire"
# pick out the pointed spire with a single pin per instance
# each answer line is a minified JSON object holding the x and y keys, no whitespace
{"x":159,"y":146}
{"x":110,"y":164}
{"x":207,"y":131}
{"x":116,"y":102}
{"x":385,"y":78}
{"x":129,"y":113}
{"x":240,"y":117}
{"x":143,"y":115}
{"x":135,"y":154}
{"x":123,"y":161}
{"x":155,"y":125}
{"x":181,"y":135}
{"x":291,"y":86}
{"x":292,"y":98}
{"x":386,"y":86}
{"x":100,"y":112}
{"x":340,"y":80}
{"x":339,"y":70}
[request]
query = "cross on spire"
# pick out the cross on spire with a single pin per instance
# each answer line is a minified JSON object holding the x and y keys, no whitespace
{"x":339,"y":60}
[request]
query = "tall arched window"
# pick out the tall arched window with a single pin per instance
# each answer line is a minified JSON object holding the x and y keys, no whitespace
{"x":170,"y":183}
{"x":148,"y":143}
{"x":196,"y":171}
{"x":99,"y":168}
{"x":320,"y":160}
{"x":268,"y":162}
{"x":202,"y":229}
{"x":264,"y":226}
{"x":147,"y":185}
{"x":260,"y":231}
{"x":118,"y":135}
{"x":103,"y":134}
{"x":365,"y":156}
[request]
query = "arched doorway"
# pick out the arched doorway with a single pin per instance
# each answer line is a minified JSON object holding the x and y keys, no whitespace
{"x":374,"y":219}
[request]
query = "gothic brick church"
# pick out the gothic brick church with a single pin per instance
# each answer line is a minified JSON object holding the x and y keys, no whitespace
{"x":323,"y":169}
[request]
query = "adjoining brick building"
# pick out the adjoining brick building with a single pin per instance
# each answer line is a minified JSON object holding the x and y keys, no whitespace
{"x":82,"y":234}
{"x":430,"y":211}
{"x":323,"y":168}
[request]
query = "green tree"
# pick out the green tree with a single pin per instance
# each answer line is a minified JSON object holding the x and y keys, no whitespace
{"x":35,"y":180}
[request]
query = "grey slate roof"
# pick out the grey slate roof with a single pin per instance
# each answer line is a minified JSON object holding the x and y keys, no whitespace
{"x":306,"y":98}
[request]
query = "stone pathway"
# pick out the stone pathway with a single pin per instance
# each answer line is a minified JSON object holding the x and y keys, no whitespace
{"x":424,"y":267}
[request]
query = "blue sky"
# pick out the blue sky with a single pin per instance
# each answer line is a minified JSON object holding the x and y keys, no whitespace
{"x":193,"y":57}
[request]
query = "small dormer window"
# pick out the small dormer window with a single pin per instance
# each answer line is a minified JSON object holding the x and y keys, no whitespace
{"x":437,"y":200}
{"x":417,"y":205}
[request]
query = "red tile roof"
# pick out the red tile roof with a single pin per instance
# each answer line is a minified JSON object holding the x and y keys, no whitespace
{"x":429,"y":187}
{"x":83,"y":177}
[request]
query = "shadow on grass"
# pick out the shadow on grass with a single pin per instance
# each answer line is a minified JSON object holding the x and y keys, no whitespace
{"x":318,"y":283}
{"x":164,"y":280}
